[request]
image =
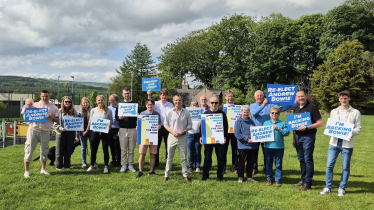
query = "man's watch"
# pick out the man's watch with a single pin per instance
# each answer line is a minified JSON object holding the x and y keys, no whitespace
{"x":306,"y":128}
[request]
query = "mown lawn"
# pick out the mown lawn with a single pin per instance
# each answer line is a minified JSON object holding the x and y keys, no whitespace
{"x":76,"y":189}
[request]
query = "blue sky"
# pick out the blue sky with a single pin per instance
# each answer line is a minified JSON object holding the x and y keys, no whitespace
{"x":89,"y":39}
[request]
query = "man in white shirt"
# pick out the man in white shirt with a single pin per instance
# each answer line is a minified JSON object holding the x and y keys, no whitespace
{"x":162,"y":106}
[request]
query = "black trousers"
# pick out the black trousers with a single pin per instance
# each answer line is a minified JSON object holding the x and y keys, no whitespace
{"x":96,"y":136}
{"x":162,"y":133}
{"x":234,"y":149}
{"x":220,"y":153}
{"x":64,"y":148}
{"x":255,"y":165}
{"x":115,"y":149}
{"x":249,"y":156}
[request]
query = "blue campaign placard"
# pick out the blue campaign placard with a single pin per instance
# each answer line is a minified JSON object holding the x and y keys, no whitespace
{"x":281,"y":94}
{"x":128,"y":109}
{"x":196,"y":113}
{"x":99,"y":125}
{"x":73,"y":123}
{"x":153,"y":84}
{"x":36,"y":115}
{"x":294,"y":120}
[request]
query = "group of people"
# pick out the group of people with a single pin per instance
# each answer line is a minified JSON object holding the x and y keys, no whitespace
{"x":177,"y":130}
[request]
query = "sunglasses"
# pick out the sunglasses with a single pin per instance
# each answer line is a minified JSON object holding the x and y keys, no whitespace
{"x":67,"y":102}
{"x":214,"y":102}
{"x":274,"y":113}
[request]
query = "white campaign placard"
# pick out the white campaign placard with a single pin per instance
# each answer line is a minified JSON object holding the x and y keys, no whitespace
{"x":262,"y":133}
{"x":339,"y":129}
{"x":128,"y":109}
{"x":233,"y":113}
{"x":73,"y":123}
{"x":99,"y":125}
{"x":195,"y":112}
{"x":147,"y":130}
{"x":212,"y":129}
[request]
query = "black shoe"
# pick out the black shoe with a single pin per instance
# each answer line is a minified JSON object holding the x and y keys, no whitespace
{"x":117,"y":164}
{"x":139,"y":174}
{"x":204,"y":178}
{"x":112,"y":162}
{"x":152,"y":173}
{"x":220,"y":179}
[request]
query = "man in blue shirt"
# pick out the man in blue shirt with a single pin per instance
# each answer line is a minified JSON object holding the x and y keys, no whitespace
{"x":115,"y":148}
{"x":260,"y":111}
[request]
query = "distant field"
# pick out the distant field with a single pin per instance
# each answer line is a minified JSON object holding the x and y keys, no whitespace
{"x":76,"y":189}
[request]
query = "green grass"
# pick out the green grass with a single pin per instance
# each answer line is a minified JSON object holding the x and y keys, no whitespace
{"x":76,"y":189}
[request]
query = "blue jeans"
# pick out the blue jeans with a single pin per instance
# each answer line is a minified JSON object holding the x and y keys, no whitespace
{"x":305,"y":148}
{"x":194,"y":149}
{"x":333,"y":153}
{"x":83,"y":140}
{"x":270,"y":154}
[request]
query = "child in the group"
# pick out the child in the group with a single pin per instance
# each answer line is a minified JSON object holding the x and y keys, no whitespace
{"x":29,"y":103}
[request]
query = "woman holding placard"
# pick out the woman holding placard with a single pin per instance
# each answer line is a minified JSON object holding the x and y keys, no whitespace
{"x":64,"y":138}
{"x":247,"y":148}
{"x":194,"y":146}
{"x":275,"y":149}
{"x":100,"y":112}
{"x":85,"y":112}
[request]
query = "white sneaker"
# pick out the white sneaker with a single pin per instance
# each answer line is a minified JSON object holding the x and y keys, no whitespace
{"x":89,"y":169}
{"x":95,"y":165}
{"x":123,"y":169}
{"x":84,"y":165}
{"x":26,"y":174}
{"x":44,"y":172}
{"x":325,"y":191}
{"x":58,"y":169}
{"x":105,"y":171}
{"x":341,"y":192}
{"x":131,"y":168}
{"x":67,"y":169}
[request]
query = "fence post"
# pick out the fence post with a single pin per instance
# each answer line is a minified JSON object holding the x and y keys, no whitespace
{"x":14,"y":132}
{"x":3,"y":131}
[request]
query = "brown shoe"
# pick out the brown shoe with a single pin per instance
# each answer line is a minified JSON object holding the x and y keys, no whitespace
{"x":165,"y":179}
{"x":304,"y":188}
{"x":278,"y":184}
{"x":269,"y":182}
{"x":298,"y":184}
{"x":187,"y":180}
{"x":190,"y":169}
{"x":235,"y":172}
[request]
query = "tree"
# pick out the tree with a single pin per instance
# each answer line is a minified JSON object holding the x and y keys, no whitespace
{"x":137,"y":65}
{"x":2,"y":107}
{"x":347,"y":23}
{"x":345,"y":69}
{"x":92,"y":98}
{"x":367,"y":4}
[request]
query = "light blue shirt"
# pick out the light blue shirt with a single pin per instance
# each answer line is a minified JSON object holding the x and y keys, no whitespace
{"x":278,"y":142}
{"x":261,"y":113}
{"x":115,"y":122}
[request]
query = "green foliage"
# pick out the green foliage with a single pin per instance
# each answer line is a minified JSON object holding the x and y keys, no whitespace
{"x":347,"y":22}
{"x":367,"y":4}
{"x":92,"y":98}
{"x":345,"y":69}
{"x":137,"y":65}
{"x":2,"y":107}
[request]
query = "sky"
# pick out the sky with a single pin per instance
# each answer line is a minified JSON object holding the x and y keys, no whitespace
{"x":89,"y":39}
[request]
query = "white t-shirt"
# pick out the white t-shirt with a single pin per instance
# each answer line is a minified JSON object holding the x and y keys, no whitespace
{"x":195,"y":127}
{"x":162,"y":109}
{"x":342,"y":113}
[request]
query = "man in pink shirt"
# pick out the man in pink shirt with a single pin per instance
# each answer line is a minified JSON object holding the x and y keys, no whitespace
{"x":40,"y":133}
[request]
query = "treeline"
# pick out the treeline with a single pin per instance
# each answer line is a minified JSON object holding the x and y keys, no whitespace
{"x":244,"y":53}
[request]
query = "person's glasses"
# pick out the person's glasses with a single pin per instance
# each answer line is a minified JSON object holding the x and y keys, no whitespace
{"x":274,"y":113}
{"x":67,"y":102}
{"x":214,"y":102}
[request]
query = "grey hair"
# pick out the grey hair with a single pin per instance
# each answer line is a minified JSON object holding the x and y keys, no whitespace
{"x":194,"y":102}
{"x":245,"y":107}
{"x":262,"y":93}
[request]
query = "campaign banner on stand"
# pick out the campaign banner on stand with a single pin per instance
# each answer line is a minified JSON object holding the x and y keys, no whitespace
{"x":36,"y":115}
{"x":73,"y":123}
{"x":100,"y":125}
{"x":294,"y":120}
{"x":212,"y":129}
{"x":195,"y":113}
{"x":233,"y":113}
{"x":262,"y":133}
{"x":281,"y":94}
{"x":339,"y":129}
{"x":147,"y":130}
{"x":128,"y":109}
{"x":153,"y":84}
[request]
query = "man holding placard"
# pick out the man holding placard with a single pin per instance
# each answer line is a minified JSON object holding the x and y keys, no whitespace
{"x":260,"y":113}
{"x":150,"y":104}
{"x":304,"y":139}
{"x":127,"y":131}
{"x":162,"y":106}
{"x":40,"y":133}
{"x":347,"y":114}
{"x":177,"y":122}
{"x":220,"y":148}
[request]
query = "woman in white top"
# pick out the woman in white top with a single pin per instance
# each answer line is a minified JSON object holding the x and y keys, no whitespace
{"x":102,"y":112}
{"x":194,"y":146}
